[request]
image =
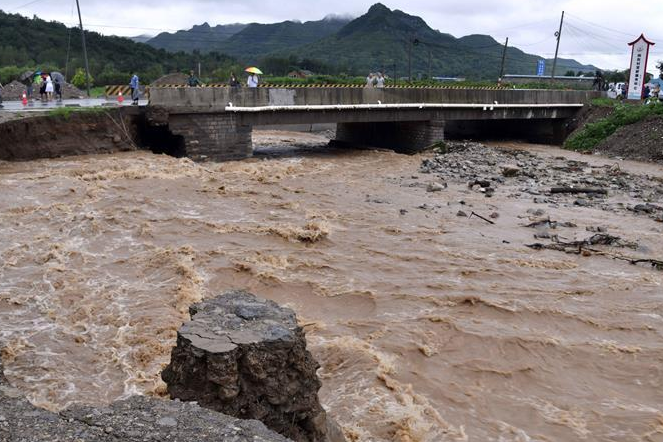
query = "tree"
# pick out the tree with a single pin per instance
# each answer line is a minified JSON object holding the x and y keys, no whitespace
{"x":570,"y":74}
{"x":659,"y":66}
{"x":79,"y":79}
{"x":9,"y":73}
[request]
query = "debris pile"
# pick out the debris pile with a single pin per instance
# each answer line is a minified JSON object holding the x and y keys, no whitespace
{"x":14,"y":91}
{"x":554,"y":181}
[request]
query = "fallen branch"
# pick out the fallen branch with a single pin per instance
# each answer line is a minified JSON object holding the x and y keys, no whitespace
{"x":481,"y":217}
{"x":578,"y":190}
{"x":600,"y":239}
{"x":656,"y":263}
{"x":581,"y":248}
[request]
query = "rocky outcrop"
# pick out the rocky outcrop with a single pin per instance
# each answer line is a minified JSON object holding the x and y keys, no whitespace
{"x":136,"y":419}
{"x":246,"y":357}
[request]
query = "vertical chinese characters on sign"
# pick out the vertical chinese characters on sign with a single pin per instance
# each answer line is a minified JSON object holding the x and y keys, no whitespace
{"x":639,"y":59}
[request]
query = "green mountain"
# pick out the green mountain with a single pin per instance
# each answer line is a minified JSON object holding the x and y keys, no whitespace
{"x":381,"y":39}
{"x":143,"y":38}
{"x":203,"y":38}
{"x":384,"y":40}
{"x":257,"y":40}
{"x":248,"y":42}
{"x":31,"y":43}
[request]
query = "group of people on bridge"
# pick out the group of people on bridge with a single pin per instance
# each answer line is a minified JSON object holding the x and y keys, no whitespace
{"x":252,"y":81}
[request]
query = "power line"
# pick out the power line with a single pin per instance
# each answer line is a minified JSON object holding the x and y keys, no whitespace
{"x":628,"y":34}
{"x":24,"y":5}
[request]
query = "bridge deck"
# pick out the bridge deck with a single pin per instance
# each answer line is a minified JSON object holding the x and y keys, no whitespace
{"x":380,"y":106}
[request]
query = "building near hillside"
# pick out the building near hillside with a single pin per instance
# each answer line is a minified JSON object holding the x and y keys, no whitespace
{"x":302,"y":73}
{"x":448,"y":78}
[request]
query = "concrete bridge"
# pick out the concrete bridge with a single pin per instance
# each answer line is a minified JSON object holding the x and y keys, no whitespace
{"x":216,"y":123}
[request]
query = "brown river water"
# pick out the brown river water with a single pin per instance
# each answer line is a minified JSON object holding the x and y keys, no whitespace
{"x":428,"y":326}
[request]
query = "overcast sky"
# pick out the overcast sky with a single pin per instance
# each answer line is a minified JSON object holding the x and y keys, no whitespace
{"x":596,"y":32}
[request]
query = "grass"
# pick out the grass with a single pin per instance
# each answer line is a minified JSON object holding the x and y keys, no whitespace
{"x":97,"y":92}
{"x":605,"y":102}
{"x":66,"y":112}
{"x":624,"y":114}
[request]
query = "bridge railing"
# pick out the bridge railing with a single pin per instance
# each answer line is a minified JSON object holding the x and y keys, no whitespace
{"x":215,"y":98}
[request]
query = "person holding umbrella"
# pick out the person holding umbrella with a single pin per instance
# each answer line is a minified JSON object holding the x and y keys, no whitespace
{"x":253,"y":79}
{"x":41,"y":84}
{"x":58,"y":83}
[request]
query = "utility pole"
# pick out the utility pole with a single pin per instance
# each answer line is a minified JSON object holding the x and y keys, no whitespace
{"x":558,"y":34}
{"x":87,"y":67}
{"x":499,"y":80}
{"x":410,"y":43}
{"x":430,"y":64}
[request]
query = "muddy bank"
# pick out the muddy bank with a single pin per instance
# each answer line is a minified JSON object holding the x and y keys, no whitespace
{"x":69,"y":132}
{"x":588,"y":114}
{"x":641,"y":141}
{"x":428,"y":325}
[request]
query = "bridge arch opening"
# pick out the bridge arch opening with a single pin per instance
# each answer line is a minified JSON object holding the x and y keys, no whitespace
{"x":541,"y":131}
{"x":160,"y":140}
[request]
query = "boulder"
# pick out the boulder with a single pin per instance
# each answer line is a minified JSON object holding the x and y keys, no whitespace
{"x":247,"y":357}
{"x":510,"y":170}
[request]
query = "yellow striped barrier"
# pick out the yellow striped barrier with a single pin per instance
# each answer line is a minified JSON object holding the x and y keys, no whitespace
{"x":113,"y":90}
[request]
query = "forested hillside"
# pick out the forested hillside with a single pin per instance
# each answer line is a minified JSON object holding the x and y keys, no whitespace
{"x":35,"y":43}
{"x":381,"y":39}
{"x":203,"y":38}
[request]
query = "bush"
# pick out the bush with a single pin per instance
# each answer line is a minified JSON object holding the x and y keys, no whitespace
{"x":594,"y":133}
{"x":10,"y":73}
{"x":79,"y":79}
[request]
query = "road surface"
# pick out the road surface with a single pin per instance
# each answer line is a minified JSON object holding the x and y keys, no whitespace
{"x":37,"y":105}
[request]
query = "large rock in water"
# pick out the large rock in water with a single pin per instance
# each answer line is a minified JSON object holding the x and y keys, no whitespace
{"x":136,"y":419}
{"x":246,"y":357}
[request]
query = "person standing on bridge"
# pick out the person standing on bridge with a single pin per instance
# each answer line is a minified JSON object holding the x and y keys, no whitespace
{"x":193,"y":81}
{"x":49,"y":87}
{"x":253,"y":80}
{"x":135,"y":85}
{"x":233,"y":82}
{"x":40,"y":81}
{"x":57,"y":85}
{"x":379,"y":83}
{"x":369,"y":81}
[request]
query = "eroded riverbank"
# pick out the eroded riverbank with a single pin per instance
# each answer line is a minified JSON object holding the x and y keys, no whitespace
{"x":428,"y":326}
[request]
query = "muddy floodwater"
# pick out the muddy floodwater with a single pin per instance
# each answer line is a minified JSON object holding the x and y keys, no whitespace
{"x":428,"y":326}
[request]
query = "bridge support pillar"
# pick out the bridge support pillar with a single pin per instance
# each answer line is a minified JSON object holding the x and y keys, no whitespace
{"x":404,"y":137}
{"x":212,"y":137}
